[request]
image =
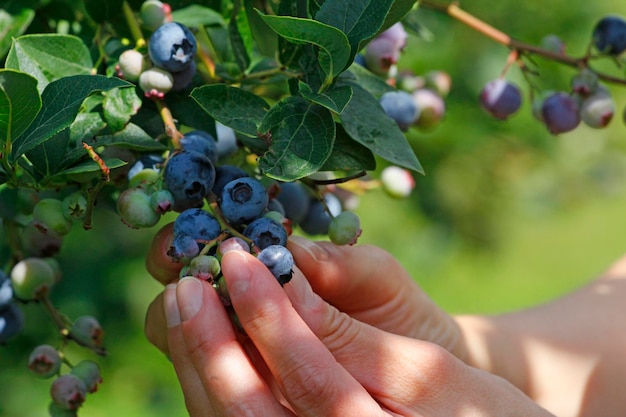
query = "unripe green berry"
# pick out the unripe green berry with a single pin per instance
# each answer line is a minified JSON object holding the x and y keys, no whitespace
{"x":345,"y":228}
{"x":75,"y":206}
{"x":56,"y":410}
{"x":144,"y":178}
{"x":49,"y":213}
{"x":133,"y":206}
{"x":87,"y":331}
{"x":152,"y":14}
{"x":161,"y":201}
{"x":131,"y":64}
{"x":32,"y":278}
{"x":68,"y":392}
{"x":89,"y":372}
{"x":156,"y":82}
{"x":205,"y":267}
{"x":44,"y":361}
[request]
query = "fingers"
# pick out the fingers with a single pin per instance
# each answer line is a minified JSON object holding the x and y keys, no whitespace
{"x":307,"y":373}
{"x":206,"y":354}
{"x":155,"y":324}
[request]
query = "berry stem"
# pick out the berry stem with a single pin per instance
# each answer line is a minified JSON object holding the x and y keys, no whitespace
{"x":170,"y":126}
{"x":453,"y":10}
{"x":92,"y":194}
{"x":132,"y":23}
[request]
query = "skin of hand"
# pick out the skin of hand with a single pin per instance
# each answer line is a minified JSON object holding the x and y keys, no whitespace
{"x":304,"y":357}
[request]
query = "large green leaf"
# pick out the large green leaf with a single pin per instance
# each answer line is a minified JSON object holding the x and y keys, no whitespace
{"x":12,"y":26}
{"x":266,"y":39}
{"x":334,"y":99}
{"x":358,"y":19}
{"x":301,"y":139}
{"x":49,"y":57}
{"x":348,"y":155}
{"x":233,"y":107}
{"x":19,"y":103}
{"x":366,"y":122}
{"x":334,"y":47}
{"x":61,"y":101}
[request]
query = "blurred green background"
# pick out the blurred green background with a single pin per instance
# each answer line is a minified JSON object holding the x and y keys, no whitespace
{"x":507,"y":216}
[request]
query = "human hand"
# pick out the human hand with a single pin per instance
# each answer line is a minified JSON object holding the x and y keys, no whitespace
{"x":306,"y":358}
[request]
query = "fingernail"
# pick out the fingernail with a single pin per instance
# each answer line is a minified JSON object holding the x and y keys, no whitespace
{"x":313,"y":249}
{"x":189,"y":297}
{"x":237,"y":271}
{"x":170,"y":306}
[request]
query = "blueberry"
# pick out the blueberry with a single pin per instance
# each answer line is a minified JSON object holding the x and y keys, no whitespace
{"x":560,"y":112}
{"x":68,"y":392}
{"x":48,"y":212}
{"x":345,"y":228}
{"x":11,"y":322}
{"x":156,"y":82}
{"x":500,"y":98}
{"x":75,"y":206}
{"x":432,"y":108}
{"x":243,"y":200}
{"x":135,"y":210}
{"x":401,"y":107}
{"x":397,"y":182}
{"x":205,"y":267}
{"x":609,"y":35}
{"x":183,"y":79}
{"x":190,"y":177}
{"x":265,"y":232}
{"x":172,"y":47}
{"x":598,"y":109}
{"x":317,"y":219}
{"x":225,"y":174}
{"x":89,"y":372}
{"x":295,"y":200}
{"x":44,"y":361}
{"x":197,"y":223}
{"x":87,"y":331}
{"x":183,"y":248}
{"x":6,"y":291}
{"x":383,"y":52}
{"x":226,"y":141}
{"x":37,"y":241}
{"x":161,"y":201}
{"x":32,"y":278}
{"x":279,"y":261}
{"x":200,"y":141}
{"x":153,"y":14}
{"x":585,"y":82}
{"x":130,"y":65}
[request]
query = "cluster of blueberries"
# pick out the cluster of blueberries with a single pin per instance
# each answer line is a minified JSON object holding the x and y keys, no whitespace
{"x":588,"y":101}
{"x":419,"y":99}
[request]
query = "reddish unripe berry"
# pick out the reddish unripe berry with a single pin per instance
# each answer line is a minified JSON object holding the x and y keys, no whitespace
{"x":38,"y":241}
{"x":432,"y":108}
{"x":438,"y":81}
{"x":44,"y":361}
{"x":68,"y":392}
{"x":597,"y":110}
{"x":158,"y":263}
{"x":397,"y":182}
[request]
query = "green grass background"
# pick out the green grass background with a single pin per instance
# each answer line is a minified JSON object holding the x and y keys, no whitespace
{"x":506,"y":217}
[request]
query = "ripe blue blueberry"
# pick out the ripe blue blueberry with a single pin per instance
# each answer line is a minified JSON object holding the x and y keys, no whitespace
{"x":279,"y":261}
{"x":265,"y":231}
{"x":609,"y":35}
{"x":317,"y":220}
{"x":11,"y":322}
{"x":184,"y":79}
{"x":500,"y":98}
{"x":243,"y":200}
{"x":183,"y":248}
{"x":190,"y":177}
{"x":197,"y":223}
{"x":200,"y":141}
{"x":6,"y":291}
{"x":225,"y":174}
{"x":560,"y":112}
{"x":295,"y":200}
{"x":400,"y":106}
{"x":172,"y":47}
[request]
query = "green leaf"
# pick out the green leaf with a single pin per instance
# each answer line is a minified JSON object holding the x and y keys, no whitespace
{"x":48,"y":157}
{"x":85,"y":171}
{"x":371,"y":82}
{"x":360,"y":20}
{"x":334,"y":99}
{"x":12,"y":26}
{"x":85,"y":126}
{"x":348,"y":155}
{"x":19,"y":103}
{"x":132,"y":137}
{"x":49,"y":57}
{"x":233,"y":107}
{"x":334,"y":47}
{"x":240,"y":37}
{"x":119,"y":105}
{"x":198,"y":16}
{"x":302,"y":136}
{"x":61,"y":101}
{"x":366,"y":122}
{"x":399,"y":9}
{"x":266,"y":39}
